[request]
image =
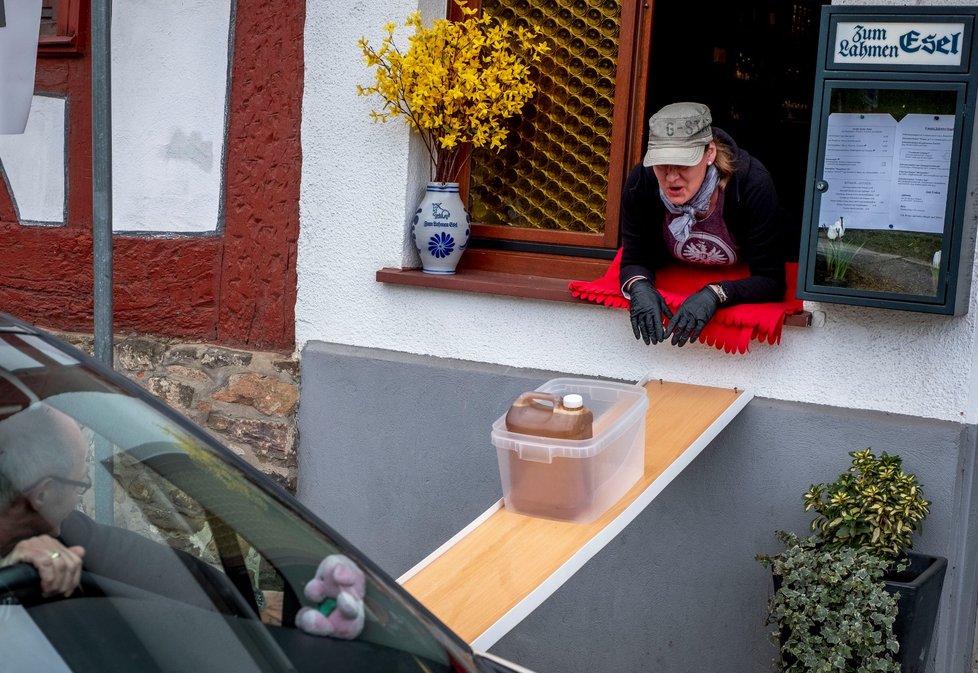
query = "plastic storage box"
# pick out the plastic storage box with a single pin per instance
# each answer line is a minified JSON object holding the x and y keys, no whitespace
{"x":576,"y":479}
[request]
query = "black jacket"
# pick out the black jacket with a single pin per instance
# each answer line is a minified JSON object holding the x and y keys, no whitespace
{"x":751,"y":212}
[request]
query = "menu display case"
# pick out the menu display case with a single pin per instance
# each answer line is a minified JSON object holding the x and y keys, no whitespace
{"x":892,"y":127}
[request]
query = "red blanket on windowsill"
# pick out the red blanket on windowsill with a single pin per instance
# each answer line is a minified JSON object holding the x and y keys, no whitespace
{"x":731,"y":329}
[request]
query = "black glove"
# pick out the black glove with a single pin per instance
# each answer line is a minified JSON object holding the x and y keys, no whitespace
{"x":692,"y":316}
{"x":648,"y":307}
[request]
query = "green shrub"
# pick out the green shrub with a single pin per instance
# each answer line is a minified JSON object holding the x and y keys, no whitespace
{"x":875,"y":505}
{"x":832,"y":609}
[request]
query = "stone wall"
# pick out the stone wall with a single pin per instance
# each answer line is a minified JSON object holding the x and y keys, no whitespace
{"x":247,"y":399}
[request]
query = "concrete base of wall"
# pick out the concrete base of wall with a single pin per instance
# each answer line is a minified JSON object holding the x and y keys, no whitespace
{"x":395,"y":454}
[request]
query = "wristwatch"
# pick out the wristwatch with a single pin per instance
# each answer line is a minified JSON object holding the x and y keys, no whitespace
{"x":718,"y":289}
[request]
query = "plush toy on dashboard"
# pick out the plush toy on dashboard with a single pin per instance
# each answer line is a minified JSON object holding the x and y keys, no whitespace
{"x":338,"y":588}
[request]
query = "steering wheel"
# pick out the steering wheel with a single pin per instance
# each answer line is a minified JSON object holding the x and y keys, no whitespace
{"x":19,"y":580}
{"x":23,"y":582}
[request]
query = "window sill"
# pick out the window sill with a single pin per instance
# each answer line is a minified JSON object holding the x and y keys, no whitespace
{"x":58,"y":46}
{"x":511,"y":285}
{"x":484,"y":282}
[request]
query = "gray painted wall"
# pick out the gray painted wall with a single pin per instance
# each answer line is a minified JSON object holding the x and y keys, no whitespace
{"x":395,"y":454}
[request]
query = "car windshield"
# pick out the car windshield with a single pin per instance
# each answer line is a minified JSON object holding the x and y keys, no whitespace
{"x":192,"y":561}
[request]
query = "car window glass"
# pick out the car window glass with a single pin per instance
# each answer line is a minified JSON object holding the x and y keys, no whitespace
{"x":198,"y":543}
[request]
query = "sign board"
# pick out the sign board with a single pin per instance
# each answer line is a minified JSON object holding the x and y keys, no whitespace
{"x":880,"y":42}
{"x":892,"y":129}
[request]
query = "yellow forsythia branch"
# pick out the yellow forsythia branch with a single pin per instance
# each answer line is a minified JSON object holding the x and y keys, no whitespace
{"x":457,"y":83}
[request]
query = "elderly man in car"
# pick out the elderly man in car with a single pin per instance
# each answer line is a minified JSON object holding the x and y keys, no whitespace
{"x":43,"y":473}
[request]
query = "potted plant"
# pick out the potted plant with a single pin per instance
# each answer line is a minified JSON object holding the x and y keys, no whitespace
{"x":857,"y":567}
{"x":457,"y":84}
{"x":832,"y":609}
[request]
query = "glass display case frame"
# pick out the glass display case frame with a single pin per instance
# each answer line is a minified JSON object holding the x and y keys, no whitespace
{"x":893,"y":122}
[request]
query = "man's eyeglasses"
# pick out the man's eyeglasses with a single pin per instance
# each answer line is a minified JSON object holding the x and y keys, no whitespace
{"x":82,"y":486}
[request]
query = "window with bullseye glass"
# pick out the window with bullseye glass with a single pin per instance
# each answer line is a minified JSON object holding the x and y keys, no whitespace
{"x":576,"y":139}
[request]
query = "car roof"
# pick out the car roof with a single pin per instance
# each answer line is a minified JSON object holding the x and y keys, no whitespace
{"x":10,"y":324}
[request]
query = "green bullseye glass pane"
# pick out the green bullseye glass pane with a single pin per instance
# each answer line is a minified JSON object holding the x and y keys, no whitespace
{"x":553,"y":174}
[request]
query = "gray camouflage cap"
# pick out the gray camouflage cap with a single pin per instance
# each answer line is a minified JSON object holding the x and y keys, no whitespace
{"x":678,"y":135}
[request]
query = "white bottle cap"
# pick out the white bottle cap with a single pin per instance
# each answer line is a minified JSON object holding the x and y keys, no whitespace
{"x":573,"y":401}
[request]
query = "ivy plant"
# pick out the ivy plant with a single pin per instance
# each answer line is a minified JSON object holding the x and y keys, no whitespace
{"x":875,"y":505}
{"x":832,"y":609}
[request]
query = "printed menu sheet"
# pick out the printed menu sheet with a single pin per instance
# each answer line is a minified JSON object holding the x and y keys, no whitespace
{"x":887,"y":174}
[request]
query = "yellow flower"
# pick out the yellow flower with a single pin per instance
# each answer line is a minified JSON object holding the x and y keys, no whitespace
{"x":456,"y":84}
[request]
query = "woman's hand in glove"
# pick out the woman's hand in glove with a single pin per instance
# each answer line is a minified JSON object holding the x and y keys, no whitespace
{"x":692,"y":316}
{"x":647,"y":309}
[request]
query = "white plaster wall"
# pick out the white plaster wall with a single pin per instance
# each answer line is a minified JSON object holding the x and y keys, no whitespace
{"x":360,"y":180}
{"x":34,"y":163}
{"x":356,"y":177}
{"x":169,"y":99}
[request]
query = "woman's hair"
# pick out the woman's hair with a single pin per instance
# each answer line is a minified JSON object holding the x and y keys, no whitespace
{"x":724,"y":161}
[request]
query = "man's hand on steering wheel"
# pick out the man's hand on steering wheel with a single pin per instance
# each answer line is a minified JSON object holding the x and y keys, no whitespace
{"x":60,"y":567}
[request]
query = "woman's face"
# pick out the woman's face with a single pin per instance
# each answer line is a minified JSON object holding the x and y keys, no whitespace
{"x":680,"y":183}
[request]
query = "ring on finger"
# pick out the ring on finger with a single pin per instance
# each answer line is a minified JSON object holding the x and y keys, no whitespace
{"x":54,"y":554}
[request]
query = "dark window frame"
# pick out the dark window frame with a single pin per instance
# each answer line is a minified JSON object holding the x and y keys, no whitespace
{"x":571,"y":255}
{"x":68,"y":40}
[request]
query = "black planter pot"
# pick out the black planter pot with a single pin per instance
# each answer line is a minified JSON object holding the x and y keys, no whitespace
{"x":919,"y":587}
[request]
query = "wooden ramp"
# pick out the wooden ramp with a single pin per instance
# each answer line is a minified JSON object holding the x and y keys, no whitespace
{"x":499,"y":568}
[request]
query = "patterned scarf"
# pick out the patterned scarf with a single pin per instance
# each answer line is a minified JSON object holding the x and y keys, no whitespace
{"x":682,"y":225}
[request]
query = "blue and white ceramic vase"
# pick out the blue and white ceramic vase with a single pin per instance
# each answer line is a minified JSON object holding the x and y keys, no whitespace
{"x":440,"y":228}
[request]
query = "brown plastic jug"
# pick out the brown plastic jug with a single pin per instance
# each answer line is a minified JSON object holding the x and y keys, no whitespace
{"x":548,"y":415}
{"x":558,"y":488}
